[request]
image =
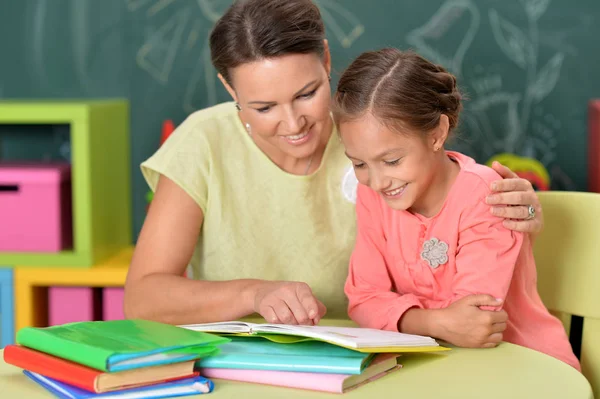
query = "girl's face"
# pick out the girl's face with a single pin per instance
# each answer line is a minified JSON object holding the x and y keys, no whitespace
{"x":285,"y":100}
{"x":399,"y":166}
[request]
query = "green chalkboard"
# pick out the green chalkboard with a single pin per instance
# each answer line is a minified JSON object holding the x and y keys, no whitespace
{"x":529,"y":67}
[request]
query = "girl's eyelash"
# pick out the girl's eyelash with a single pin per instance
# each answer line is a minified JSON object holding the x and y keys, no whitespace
{"x":394,"y":162}
{"x":359,"y":166}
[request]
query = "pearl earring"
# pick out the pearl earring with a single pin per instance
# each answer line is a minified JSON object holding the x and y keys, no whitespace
{"x":248,"y":129}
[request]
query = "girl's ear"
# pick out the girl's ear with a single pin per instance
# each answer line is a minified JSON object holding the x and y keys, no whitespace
{"x":440,"y":133}
{"x":228,"y":88}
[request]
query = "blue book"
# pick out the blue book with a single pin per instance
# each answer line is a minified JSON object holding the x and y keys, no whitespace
{"x":251,"y":353}
{"x":188,"y":386}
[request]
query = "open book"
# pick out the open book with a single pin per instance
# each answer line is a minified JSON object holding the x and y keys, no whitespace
{"x":359,"y":339}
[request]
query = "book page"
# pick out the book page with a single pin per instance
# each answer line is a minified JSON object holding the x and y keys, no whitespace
{"x":221,"y":327}
{"x":349,"y":336}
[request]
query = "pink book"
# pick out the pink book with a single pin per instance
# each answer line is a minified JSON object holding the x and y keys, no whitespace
{"x":382,"y":365}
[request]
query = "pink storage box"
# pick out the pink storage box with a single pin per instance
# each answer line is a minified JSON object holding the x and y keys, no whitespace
{"x":35,"y":207}
{"x":71,"y":304}
{"x":112,"y":303}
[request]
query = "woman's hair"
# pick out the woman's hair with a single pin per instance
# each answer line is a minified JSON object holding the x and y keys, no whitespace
{"x":400,"y":88}
{"x":252,"y":30}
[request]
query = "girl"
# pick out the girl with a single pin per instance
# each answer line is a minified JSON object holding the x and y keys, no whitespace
{"x":256,"y":195}
{"x":426,"y":238}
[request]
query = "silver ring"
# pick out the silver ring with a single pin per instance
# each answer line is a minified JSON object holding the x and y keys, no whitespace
{"x":530,"y":212}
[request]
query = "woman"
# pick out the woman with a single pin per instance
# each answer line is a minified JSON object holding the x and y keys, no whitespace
{"x":257,"y":194}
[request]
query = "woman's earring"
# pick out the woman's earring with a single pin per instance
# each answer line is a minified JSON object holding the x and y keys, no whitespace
{"x":248,"y":129}
{"x":329,"y":77}
{"x":237,"y":106}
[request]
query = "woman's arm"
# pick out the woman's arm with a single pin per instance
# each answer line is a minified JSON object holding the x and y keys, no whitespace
{"x":518,"y":193}
{"x":156,"y":288}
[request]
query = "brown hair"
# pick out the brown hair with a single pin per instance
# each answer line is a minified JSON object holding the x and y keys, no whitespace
{"x":252,"y":30}
{"x":399,"y":88}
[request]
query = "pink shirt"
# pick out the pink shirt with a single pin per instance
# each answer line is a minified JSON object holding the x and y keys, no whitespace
{"x":473,"y":254}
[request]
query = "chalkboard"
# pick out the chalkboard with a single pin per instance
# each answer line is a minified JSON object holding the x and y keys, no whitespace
{"x":529,"y":67}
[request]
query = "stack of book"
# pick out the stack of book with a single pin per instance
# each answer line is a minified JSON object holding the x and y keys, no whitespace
{"x":329,"y":359}
{"x":114,"y":359}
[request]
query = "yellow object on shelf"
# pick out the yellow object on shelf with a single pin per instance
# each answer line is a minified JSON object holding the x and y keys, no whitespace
{"x":31,"y":284}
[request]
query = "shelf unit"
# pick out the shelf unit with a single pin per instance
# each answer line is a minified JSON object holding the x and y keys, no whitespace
{"x":101,"y":176}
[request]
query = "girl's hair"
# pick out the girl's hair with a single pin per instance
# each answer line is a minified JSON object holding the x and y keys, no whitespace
{"x":252,"y":30}
{"x":400,"y":88}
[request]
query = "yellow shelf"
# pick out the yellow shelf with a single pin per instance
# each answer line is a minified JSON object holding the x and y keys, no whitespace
{"x":31,"y":284}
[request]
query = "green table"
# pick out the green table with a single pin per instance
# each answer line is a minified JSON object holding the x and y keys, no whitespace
{"x":506,"y":372}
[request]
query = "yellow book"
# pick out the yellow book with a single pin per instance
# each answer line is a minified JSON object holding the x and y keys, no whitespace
{"x":366,"y":340}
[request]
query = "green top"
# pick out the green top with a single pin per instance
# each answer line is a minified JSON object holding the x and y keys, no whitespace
{"x":260,"y":221}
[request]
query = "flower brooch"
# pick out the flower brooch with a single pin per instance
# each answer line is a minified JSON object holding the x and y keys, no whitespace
{"x":435,"y":252}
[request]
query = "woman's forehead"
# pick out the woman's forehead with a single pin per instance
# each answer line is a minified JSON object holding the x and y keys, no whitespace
{"x":276,"y":76}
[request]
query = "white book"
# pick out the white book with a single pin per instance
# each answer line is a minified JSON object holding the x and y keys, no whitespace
{"x":359,"y":339}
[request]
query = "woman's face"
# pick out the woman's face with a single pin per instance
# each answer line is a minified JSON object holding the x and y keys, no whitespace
{"x":286,"y":101}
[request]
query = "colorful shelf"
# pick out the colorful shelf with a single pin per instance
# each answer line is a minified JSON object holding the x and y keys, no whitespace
{"x":31,"y":285}
{"x":101,"y":177}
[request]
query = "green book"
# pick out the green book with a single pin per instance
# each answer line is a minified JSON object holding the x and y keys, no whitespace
{"x":118,"y":345}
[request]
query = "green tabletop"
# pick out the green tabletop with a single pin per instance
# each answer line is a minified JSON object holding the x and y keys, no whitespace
{"x":507,"y":372}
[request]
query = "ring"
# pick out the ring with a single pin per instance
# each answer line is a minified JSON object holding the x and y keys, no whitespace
{"x":530,"y":212}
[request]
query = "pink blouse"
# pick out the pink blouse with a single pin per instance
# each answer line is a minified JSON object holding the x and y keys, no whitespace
{"x":403,"y":260}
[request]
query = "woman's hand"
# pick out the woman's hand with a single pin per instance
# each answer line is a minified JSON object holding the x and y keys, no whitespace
{"x":518,"y":194}
{"x":287,"y":302}
{"x":464,"y":324}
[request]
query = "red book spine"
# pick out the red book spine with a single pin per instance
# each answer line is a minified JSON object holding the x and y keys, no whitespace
{"x":51,"y":366}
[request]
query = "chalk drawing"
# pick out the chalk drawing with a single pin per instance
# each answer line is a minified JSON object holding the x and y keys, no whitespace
{"x":430,"y":39}
{"x":158,"y":54}
{"x":535,"y":8}
{"x":338,"y":20}
{"x":133,"y":5}
{"x":186,"y":32}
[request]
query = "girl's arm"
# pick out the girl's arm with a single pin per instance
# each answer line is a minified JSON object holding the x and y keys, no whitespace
{"x":156,"y":288}
{"x":372,"y":302}
{"x":486,"y":256}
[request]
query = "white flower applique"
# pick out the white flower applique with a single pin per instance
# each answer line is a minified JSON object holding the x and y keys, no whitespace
{"x":435,"y":252}
{"x":350,"y":185}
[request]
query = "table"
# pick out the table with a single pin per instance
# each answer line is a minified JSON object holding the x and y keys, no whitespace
{"x":508,"y":371}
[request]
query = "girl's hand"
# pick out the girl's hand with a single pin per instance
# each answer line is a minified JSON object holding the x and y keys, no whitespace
{"x":464,"y":324}
{"x":518,"y":194}
{"x":287,"y":302}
